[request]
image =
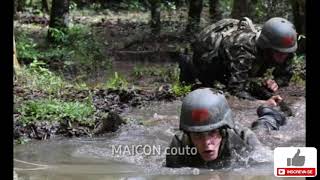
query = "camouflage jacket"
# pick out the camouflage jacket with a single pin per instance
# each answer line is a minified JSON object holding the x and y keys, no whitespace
{"x":235,"y":60}
{"x":237,"y":142}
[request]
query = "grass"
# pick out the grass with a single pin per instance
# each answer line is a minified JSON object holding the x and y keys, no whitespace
{"x":36,"y":76}
{"x":117,"y":82}
{"x":56,"y":110}
{"x":179,"y":89}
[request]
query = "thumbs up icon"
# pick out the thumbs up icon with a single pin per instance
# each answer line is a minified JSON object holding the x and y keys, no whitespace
{"x":297,"y":160}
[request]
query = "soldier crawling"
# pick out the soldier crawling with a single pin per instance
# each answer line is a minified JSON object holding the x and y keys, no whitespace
{"x":236,"y":54}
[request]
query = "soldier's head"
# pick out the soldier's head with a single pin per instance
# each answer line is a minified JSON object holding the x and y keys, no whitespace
{"x":277,"y":39}
{"x":205,"y":115}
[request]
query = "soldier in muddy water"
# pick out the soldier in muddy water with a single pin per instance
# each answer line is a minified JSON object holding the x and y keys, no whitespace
{"x":207,"y":123}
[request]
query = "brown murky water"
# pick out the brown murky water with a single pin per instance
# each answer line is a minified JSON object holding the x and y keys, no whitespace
{"x":95,"y":158}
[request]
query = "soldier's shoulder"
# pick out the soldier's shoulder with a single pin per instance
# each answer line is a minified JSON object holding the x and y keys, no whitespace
{"x":178,"y":139}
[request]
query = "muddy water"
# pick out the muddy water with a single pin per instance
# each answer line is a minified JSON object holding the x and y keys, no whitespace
{"x":96,"y":158}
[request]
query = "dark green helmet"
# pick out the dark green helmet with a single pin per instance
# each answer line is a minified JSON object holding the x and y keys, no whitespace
{"x":205,"y":110}
{"x":278,"y":34}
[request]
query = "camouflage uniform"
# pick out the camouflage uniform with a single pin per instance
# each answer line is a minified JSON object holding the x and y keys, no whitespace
{"x":234,"y":60}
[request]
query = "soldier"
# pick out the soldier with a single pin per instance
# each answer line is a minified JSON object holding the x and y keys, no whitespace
{"x":206,"y":123}
{"x":237,"y":55}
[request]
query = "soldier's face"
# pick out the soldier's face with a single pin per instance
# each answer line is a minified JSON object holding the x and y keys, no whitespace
{"x":207,"y":144}
{"x":274,"y":56}
{"x":279,"y":57}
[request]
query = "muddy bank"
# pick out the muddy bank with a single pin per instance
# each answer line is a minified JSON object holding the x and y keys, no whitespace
{"x":104,"y":101}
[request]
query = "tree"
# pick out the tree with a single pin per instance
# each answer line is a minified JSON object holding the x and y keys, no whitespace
{"x":195,"y":9}
{"x":16,"y":65}
{"x":21,"y":4}
{"x":45,"y":6}
{"x":240,"y":9}
{"x":215,"y":12}
{"x":179,"y":3}
{"x":298,"y":10}
{"x":155,"y":16}
{"x":15,"y":6}
{"x":58,"y":18}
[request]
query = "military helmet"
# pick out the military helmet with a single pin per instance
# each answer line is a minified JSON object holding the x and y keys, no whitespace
{"x":205,"y":110}
{"x":278,"y":34}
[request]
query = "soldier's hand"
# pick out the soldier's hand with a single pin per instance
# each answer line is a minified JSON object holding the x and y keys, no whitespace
{"x":274,"y":100}
{"x":272,"y":85}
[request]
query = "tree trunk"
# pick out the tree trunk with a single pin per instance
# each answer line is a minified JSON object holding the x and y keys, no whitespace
{"x":58,"y":17}
{"x":21,"y":4}
{"x":179,"y":3}
{"x":240,"y":9}
{"x":298,"y":10}
{"x":215,"y":12}
{"x":15,"y":6}
{"x":252,"y":9}
{"x":195,"y":9}
{"x":45,"y":6}
{"x":155,"y":16}
{"x":16,"y":65}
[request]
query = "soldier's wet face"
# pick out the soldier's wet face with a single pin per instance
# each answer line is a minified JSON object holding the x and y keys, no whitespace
{"x":279,"y":57}
{"x":276,"y":56}
{"x":207,"y":144}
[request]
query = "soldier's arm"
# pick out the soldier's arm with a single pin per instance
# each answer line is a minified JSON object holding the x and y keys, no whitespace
{"x":240,"y":62}
{"x":247,"y":135}
{"x":269,"y":119}
{"x":282,"y":74}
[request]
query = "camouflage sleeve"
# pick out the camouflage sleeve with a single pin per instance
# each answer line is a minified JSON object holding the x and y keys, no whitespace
{"x":282,"y":74}
{"x":240,"y":62}
{"x":247,"y":135}
{"x":174,"y":161}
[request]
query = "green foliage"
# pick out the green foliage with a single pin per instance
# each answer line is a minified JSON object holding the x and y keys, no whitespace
{"x":140,"y":71}
{"x":265,"y":10}
{"x":76,"y":48}
{"x":169,"y":5}
{"x":73,"y":6}
{"x":56,"y":110}
{"x":26,"y":47}
{"x":95,"y":6}
{"x":117,"y":82}
{"x":28,"y":50}
{"x":36,"y":76}
{"x":133,"y":5}
{"x":21,"y":140}
{"x":226,"y":7}
{"x":85,"y":45}
{"x":57,"y":35}
{"x":299,"y":71}
{"x":269,"y":73}
{"x":180,"y":89}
